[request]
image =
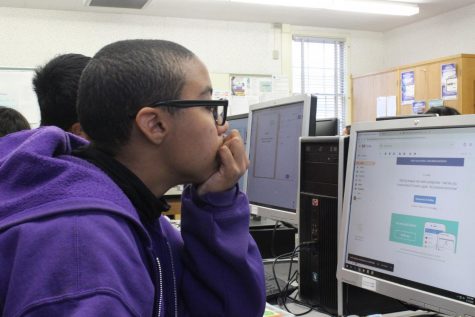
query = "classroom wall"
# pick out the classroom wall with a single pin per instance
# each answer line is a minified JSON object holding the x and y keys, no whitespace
{"x":33,"y":36}
{"x":30,"y":37}
{"x":443,"y":35}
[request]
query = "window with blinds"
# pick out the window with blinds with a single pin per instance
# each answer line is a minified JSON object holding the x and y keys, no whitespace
{"x":318,"y":67}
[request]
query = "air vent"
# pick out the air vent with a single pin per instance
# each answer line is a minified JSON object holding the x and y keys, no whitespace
{"x":127,"y":4}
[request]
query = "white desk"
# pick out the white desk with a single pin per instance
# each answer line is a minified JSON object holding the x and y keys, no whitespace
{"x":297,"y":309}
{"x":282,"y":270}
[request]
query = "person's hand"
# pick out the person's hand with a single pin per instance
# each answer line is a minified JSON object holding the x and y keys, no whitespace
{"x":233,"y":164}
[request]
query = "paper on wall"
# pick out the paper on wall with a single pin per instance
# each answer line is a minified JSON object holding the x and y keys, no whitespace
{"x":391,"y":106}
{"x":381,"y":106}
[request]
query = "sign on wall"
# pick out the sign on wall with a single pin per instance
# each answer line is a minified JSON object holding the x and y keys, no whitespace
{"x":448,"y":80}
{"x":408,"y":88}
{"x":247,"y":90}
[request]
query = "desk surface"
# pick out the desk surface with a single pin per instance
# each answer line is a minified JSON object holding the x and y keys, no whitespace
{"x":282,"y":271}
{"x":261,"y":223}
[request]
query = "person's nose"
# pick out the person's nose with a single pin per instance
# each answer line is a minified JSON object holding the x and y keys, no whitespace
{"x":222,"y":128}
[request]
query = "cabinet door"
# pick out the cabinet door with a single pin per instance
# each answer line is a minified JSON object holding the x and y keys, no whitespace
{"x":367,"y":89}
{"x":427,"y":79}
{"x":427,"y":82}
{"x":466,"y":85}
{"x":425,"y":85}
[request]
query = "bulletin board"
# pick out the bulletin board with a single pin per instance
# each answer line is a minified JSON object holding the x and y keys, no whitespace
{"x":243,"y":90}
{"x":16,"y":91}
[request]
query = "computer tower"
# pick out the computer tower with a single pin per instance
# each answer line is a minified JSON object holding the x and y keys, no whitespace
{"x":322,"y":172}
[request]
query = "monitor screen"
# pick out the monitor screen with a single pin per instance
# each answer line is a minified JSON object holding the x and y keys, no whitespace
{"x":239,"y":122}
{"x":407,"y":225}
{"x":326,"y":127}
{"x":273,"y":144}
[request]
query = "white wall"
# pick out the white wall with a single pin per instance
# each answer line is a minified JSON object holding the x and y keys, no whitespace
{"x":444,"y":35}
{"x":31,"y":37}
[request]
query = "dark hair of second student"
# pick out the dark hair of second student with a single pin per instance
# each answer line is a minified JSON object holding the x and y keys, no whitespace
{"x":56,"y":85}
{"x":106,"y":108}
{"x":12,"y":121}
{"x":443,"y":111}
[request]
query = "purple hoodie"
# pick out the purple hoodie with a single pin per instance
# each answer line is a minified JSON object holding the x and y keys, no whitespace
{"x":72,"y":244}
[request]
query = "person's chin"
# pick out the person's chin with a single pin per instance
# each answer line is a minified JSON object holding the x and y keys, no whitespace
{"x":209,"y":172}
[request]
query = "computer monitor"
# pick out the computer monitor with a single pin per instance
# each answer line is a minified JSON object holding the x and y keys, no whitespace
{"x":409,"y":116}
{"x":273,"y":146}
{"x":326,"y":127}
{"x":407,"y":229}
{"x":239,"y":122}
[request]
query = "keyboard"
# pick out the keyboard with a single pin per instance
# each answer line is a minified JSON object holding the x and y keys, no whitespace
{"x":272,"y":291}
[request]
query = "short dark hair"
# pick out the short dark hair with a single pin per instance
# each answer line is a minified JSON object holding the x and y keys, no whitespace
{"x":12,"y":121}
{"x":56,"y":85}
{"x":443,"y":111}
{"x":122,"y":78}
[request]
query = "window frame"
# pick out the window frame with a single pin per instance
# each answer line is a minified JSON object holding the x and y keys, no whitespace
{"x":340,"y":91}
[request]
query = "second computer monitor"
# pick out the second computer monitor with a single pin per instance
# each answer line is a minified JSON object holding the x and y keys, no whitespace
{"x":272,"y":143}
{"x":239,"y":122}
{"x":326,"y":127}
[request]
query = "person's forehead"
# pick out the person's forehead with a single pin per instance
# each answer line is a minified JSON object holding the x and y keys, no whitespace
{"x":197,"y":80}
{"x":194,"y":68}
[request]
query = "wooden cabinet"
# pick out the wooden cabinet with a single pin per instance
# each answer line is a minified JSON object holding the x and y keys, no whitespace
{"x":427,"y":77}
{"x":366,"y":89}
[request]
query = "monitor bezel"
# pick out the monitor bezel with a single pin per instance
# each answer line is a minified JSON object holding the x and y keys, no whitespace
{"x":411,"y":295}
{"x":308,"y":129}
{"x":238,"y":116}
{"x":409,"y":116}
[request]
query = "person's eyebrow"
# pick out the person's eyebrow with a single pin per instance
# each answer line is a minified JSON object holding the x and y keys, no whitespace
{"x":206,"y":91}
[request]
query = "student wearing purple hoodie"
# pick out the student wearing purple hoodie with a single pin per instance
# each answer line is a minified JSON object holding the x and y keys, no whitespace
{"x":81,"y":231}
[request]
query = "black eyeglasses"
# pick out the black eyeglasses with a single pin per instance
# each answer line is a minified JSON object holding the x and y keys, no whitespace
{"x":219,"y":108}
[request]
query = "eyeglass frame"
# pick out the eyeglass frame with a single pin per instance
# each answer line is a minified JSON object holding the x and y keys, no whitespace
{"x":194,"y":103}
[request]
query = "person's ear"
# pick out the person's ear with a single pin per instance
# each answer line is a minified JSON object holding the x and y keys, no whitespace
{"x":153,"y":123}
{"x":77,"y":130}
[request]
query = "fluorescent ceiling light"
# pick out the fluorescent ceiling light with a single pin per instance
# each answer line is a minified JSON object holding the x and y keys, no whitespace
{"x":373,"y":7}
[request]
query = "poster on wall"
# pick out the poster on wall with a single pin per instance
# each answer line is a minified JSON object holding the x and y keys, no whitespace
{"x":418,"y":107}
{"x":247,"y":90}
{"x":240,"y":85}
{"x":448,"y":78}
{"x":407,"y":88}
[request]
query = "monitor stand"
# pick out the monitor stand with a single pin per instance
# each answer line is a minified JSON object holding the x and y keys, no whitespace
{"x":257,"y":222}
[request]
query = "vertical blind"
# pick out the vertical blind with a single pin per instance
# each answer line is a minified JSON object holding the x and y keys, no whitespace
{"x":318,"y":68}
